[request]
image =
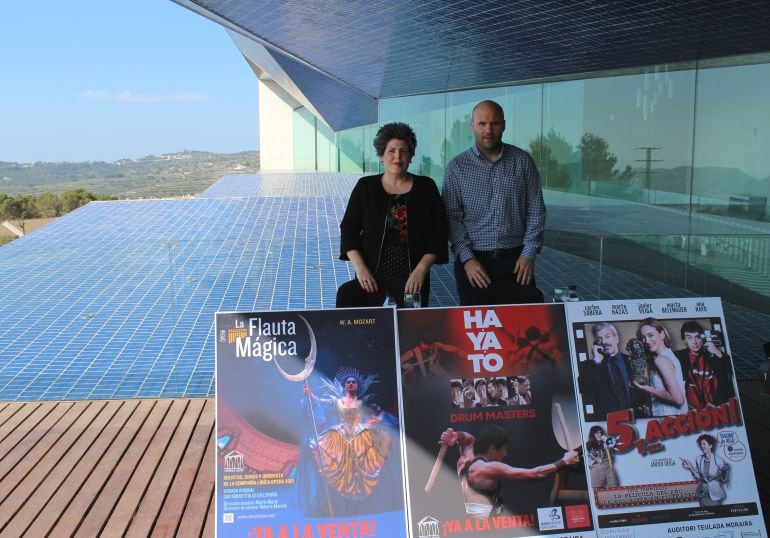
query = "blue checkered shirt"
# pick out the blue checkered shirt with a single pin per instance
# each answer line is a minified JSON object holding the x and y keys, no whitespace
{"x":492,"y":205}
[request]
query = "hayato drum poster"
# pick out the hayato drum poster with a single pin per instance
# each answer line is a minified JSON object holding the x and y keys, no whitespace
{"x":663,"y":434}
{"x":491,"y":423}
{"x":308,"y":426}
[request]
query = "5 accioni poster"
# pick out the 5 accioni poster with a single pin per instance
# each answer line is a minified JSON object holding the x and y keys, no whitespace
{"x":308,"y":425}
{"x":664,"y":438}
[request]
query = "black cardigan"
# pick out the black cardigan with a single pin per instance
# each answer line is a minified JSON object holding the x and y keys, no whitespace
{"x":363,"y":225}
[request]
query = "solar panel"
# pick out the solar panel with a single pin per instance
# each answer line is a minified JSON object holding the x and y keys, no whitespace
{"x":116,"y":299}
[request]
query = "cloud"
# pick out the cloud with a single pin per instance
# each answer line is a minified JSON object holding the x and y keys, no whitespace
{"x":127,"y":96}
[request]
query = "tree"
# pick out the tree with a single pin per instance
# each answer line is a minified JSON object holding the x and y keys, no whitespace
{"x":551,"y":153}
{"x":18,"y":209}
{"x":73,"y":199}
{"x":598,"y":162}
{"x":49,"y":205}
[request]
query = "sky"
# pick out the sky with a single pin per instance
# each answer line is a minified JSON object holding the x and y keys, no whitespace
{"x":105,"y":80}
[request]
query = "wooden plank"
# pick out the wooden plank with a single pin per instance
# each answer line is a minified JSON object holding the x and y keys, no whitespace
{"x":41,"y":481}
{"x":33,"y":468}
{"x":10,"y":409}
{"x":11,"y":433}
{"x":102,"y":432}
{"x":199,"y":506}
{"x":122,"y":465}
{"x":82,"y":498}
{"x":165,"y":473}
{"x":181,"y":506}
{"x":144,"y":470}
{"x":211,"y":524}
{"x":37,"y":434}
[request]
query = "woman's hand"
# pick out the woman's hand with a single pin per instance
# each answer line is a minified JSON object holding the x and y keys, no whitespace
{"x":645,"y":388}
{"x":363,"y":274}
{"x":366,"y":279}
{"x":415,"y":281}
{"x":373,"y":420}
{"x":417,"y":277}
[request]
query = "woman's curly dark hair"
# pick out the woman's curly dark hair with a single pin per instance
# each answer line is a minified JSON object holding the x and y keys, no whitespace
{"x":398,"y":131}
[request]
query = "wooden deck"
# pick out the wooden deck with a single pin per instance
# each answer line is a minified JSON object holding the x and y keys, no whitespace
{"x":146,"y":467}
{"x":109,"y":468}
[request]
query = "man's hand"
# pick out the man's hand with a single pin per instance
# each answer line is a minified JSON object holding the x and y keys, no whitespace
{"x":524,"y":270}
{"x":571,"y":457}
{"x":598,"y":353}
{"x":477,"y":274}
{"x":449,"y":437}
{"x":714,"y":350}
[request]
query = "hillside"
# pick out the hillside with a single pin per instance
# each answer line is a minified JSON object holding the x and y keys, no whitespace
{"x":154,"y":176}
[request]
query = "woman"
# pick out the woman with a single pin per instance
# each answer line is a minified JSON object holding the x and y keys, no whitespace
{"x":602,"y":471}
{"x":394,"y":228}
{"x":710,"y":471}
{"x":666,"y":382}
{"x":350,"y":455}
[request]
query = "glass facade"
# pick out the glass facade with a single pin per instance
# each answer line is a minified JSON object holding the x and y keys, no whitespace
{"x":671,"y":160}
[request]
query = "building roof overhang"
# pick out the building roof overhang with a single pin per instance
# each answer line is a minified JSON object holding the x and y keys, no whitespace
{"x":343,"y":55}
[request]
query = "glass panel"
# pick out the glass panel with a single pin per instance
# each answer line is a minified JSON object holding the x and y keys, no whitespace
{"x":625,"y":137}
{"x":304,"y":140}
{"x":326,"y":150}
{"x":555,"y":150}
{"x":732,"y":137}
{"x":735,"y":267}
{"x":459,"y":136}
{"x":426,"y":115}
{"x":370,"y":155}
{"x":351,"y":145}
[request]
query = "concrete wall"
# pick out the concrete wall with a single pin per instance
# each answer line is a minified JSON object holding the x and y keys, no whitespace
{"x":276,"y":136}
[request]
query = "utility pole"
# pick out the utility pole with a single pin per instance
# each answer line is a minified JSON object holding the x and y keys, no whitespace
{"x":648,"y":160}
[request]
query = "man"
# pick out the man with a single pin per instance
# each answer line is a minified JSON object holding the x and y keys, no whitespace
{"x":494,"y":203}
{"x":481,"y":469}
{"x":493,"y":393}
{"x":502,"y":389}
{"x":525,"y":390}
{"x":706,"y":369}
{"x":481,"y":392}
{"x":457,"y":394}
{"x":612,"y":371}
{"x":513,"y":391}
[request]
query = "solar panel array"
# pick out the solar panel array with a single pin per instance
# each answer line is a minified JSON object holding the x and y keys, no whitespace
{"x":117,"y":299}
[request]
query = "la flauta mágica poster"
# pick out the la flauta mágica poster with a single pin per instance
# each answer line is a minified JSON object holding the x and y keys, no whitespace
{"x":489,"y":414}
{"x":308,"y":425}
{"x":663,"y":433}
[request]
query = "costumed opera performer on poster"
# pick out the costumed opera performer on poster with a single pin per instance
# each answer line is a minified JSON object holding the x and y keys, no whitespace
{"x":352,"y":456}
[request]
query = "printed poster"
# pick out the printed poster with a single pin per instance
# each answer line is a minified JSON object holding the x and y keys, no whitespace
{"x":308,"y":425}
{"x":664,"y":438}
{"x":489,"y":416}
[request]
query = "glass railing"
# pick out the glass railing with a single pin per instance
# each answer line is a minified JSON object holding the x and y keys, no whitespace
{"x":734,"y":267}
